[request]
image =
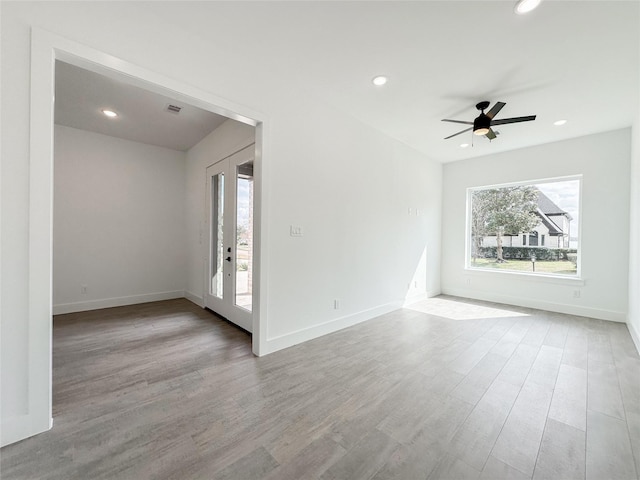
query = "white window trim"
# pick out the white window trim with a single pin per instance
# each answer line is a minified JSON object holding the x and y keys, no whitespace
{"x":576,"y":279}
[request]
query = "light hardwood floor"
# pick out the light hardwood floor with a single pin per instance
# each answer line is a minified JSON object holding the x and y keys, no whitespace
{"x":445,"y":389}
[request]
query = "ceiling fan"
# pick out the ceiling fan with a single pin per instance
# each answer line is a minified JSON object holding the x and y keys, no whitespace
{"x":483,"y":123}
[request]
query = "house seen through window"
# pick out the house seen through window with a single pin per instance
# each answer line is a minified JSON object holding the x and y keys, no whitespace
{"x":525,"y":227}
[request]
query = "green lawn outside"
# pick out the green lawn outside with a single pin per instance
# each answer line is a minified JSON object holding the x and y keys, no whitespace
{"x":561,"y":267}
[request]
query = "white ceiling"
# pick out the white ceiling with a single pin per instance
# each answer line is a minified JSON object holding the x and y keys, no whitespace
{"x":573,"y":60}
{"x":81,"y":96}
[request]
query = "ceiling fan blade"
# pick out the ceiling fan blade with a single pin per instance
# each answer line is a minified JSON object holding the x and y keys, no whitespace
{"x":495,"y":109}
{"x":504,"y":121}
{"x":457,"y":121}
{"x":490,"y":134}
{"x":462,"y":131}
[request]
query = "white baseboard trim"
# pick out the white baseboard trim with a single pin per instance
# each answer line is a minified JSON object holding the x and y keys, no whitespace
{"x":635,"y":335}
{"x":115,"y":302}
{"x":288,"y":340}
{"x":192,"y":297}
{"x":19,"y":427}
{"x":590,"y":312}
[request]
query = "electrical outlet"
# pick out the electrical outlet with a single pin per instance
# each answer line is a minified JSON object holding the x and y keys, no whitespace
{"x":83,"y":289}
{"x":467,"y":281}
{"x":336,"y":304}
{"x":576,"y":294}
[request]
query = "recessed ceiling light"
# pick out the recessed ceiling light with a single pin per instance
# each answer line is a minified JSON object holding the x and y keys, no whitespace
{"x":379,"y":80}
{"x":464,"y":145}
{"x":110,"y":113}
{"x":560,"y":122}
{"x":525,"y":6}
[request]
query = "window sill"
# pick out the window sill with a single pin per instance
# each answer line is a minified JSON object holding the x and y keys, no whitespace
{"x":536,"y":277}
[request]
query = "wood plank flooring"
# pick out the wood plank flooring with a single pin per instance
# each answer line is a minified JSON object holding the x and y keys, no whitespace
{"x":448,"y":388}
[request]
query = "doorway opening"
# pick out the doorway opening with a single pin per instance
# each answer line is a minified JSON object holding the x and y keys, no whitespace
{"x":46,"y":49}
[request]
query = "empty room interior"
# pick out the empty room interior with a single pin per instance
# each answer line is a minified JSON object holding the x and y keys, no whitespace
{"x":320,"y":240}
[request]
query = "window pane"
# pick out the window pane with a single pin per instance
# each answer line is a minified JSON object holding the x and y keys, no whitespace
{"x":244,"y":235}
{"x":526,"y":227}
{"x":217,"y":223}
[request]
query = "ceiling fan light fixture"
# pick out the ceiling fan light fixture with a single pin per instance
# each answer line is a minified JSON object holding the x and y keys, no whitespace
{"x":559,"y":123}
{"x":110,"y":113}
{"x":481,"y":125}
{"x":525,"y":6}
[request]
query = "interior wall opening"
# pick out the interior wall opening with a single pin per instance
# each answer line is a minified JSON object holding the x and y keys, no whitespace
{"x":123,"y":196}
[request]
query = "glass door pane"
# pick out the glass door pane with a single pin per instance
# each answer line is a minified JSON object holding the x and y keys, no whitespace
{"x":244,"y":235}
{"x":217,"y":239}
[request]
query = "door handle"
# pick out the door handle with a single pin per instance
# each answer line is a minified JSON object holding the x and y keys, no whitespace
{"x":228,"y":259}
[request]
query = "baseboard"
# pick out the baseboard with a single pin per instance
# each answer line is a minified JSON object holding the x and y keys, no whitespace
{"x":600,"y":314}
{"x":288,"y":340}
{"x":192,"y":297}
{"x":115,"y":302}
{"x":635,"y":336}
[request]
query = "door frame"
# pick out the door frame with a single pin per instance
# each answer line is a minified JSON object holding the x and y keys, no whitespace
{"x":46,"y":48}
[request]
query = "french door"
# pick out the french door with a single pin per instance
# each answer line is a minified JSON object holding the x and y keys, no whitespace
{"x":229,"y":226}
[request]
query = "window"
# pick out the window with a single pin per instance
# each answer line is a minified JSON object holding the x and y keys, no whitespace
{"x":530,"y":227}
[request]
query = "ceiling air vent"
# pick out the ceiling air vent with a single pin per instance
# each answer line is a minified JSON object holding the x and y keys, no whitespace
{"x":173,"y":108}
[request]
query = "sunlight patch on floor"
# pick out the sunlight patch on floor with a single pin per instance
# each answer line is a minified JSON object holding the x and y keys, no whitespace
{"x":461,"y":310}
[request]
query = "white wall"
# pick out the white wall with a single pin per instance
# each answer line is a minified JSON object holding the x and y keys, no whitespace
{"x":225,"y":140}
{"x":119,"y":221}
{"x":350,"y":189}
{"x":603,"y":160}
{"x":349,"y":186}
